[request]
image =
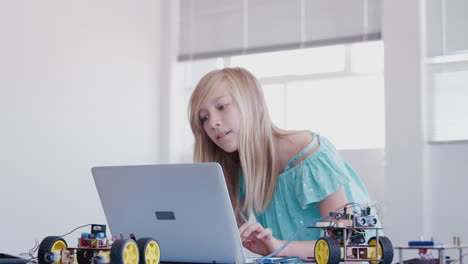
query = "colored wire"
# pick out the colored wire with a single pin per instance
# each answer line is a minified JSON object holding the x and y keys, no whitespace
{"x":31,"y":253}
{"x":75,"y":230}
{"x":342,"y":209}
{"x":339,"y":237}
{"x":360,"y":232}
{"x":295,"y":234}
{"x":349,"y":237}
{"x":376,"y":208}
{"x":32,"y":250}
{"x":460,"y":258}
{"x":290,"y":260}
{"x":83,"y":242}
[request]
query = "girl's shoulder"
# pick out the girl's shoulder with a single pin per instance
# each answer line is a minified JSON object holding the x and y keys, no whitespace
{"x":296,"y":138}
{"x":291,"y":144}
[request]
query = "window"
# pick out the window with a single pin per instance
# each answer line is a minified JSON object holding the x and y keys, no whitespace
{"x":336,"y":91}
{"x":447,"y":70}
{"x":294,"y":62}
{"x":447,"y":101}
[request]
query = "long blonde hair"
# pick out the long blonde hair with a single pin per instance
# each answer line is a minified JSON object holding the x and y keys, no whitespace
{"x":257,"y":150}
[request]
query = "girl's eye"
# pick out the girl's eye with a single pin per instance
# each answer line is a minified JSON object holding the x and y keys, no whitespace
{"x":203,"y":119}
{"x":222,"y":107}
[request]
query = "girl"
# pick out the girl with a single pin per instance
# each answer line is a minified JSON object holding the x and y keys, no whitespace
{"x":286,"y":178}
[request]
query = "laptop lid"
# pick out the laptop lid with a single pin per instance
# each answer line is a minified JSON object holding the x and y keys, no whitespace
{"x":185,"y":207}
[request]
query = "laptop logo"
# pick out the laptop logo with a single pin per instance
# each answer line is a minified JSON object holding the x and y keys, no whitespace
{"x":165,"y":215}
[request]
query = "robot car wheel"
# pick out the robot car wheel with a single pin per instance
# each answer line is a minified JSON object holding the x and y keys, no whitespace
{"x":327,"y":251}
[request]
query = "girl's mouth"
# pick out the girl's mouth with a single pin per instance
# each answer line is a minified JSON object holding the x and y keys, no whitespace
{"x":223,"y":135}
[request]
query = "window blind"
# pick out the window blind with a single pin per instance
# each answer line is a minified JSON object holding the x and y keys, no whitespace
{"x":446,"y":22}
{"x":214,"y":28}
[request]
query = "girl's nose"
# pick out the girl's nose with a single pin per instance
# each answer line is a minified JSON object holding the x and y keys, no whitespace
{"x":215,"y":121}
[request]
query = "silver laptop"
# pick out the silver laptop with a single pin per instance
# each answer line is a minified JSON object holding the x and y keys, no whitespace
{"x":185,"y":207}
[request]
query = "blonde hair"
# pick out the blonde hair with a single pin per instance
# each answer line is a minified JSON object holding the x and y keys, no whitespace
{"x":257,"y":151}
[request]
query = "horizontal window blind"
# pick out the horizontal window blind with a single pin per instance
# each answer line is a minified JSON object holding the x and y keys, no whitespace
{"x":214,"y":28}
{"x":448,"y":110}
{"x":446,"y":23}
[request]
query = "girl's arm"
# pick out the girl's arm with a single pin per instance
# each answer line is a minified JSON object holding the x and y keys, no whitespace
{"x":261,"y":241}
{"x":305,"y":249}
{"x":332,"y":202}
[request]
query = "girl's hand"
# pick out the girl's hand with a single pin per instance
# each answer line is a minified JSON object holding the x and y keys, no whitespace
{"x":259,"y":240}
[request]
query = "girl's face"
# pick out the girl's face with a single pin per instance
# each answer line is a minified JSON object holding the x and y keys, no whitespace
{"x":220,"y":118}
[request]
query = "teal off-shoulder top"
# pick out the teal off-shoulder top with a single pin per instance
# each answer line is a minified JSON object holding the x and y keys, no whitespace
{"x":301,"y":187}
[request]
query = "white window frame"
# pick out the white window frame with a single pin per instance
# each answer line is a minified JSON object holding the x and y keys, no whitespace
{"x":434,"y":65}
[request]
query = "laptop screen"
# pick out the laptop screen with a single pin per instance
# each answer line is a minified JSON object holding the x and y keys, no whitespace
{"x":185,"y":207}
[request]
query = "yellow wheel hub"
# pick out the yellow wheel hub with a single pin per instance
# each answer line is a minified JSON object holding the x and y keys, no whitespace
{"x":152,"y":253}
{"x":372,"y":253}
{"x":322,"y":252}
{"x":57,"y":248}
{"x":59,"y":245}
{"x":130,"y":253}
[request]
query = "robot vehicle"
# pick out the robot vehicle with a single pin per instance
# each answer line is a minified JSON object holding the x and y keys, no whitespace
{"x":95,"y":248}
{"x":346,"y":234}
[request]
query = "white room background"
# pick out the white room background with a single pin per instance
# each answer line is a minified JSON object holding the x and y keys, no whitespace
{"x":78,"y":88}
{"x":98,"y":83}
{"x":446,"y":67}
{"x":332,"y":84}
{"x":418,"y":185}
{"x":336,"y":91}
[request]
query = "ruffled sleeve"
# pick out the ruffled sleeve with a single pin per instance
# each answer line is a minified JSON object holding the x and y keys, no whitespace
{"x":300,"y":187}
{"x":320,"y":174}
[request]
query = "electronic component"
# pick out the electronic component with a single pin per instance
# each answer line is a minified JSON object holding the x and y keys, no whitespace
{"x":96,"y":248}
{"x":341,"y":216}
{"x":363,"y":221}
{"x":327,"y":224}
{"x":98,"y":229}
{"x":425,"y":243}
{"x":346,"y":232}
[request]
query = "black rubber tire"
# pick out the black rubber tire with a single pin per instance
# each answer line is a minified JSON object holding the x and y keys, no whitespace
{"x":387,"y":249}
{"x":46,"y":246}
{"x":142,"y":244}
{"x":334,"y":250}
{"x":117,"y":250}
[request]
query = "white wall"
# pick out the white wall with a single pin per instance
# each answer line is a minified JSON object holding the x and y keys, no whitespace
{"x":78,"y":88}
{"x":422,"y":186}
{"x":406,"y":211}
{"x":449,"y":170}
{"x":369,"y":165}
{"x":425,"y":184}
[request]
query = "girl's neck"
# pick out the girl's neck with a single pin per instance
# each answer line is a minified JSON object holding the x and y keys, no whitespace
{"x":288,"y":145}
